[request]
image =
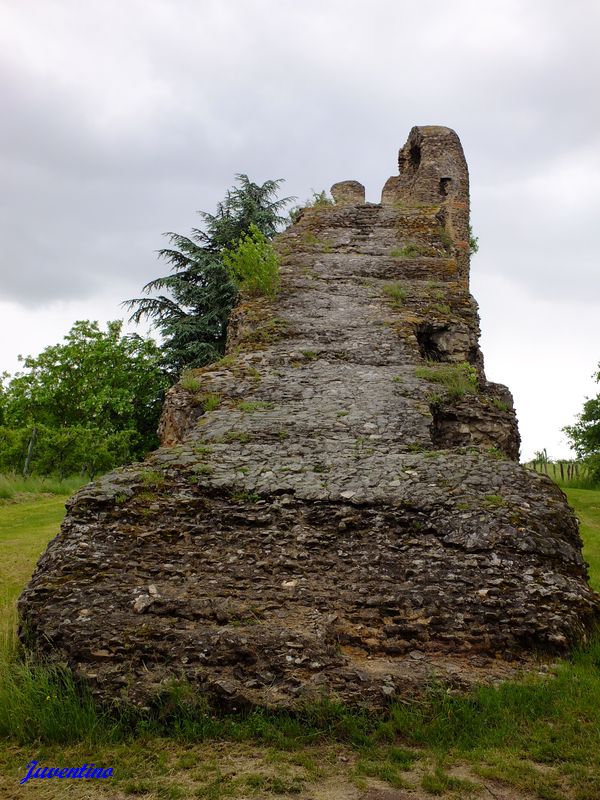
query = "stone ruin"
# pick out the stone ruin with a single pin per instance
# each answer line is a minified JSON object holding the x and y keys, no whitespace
{"x":337,"y":506}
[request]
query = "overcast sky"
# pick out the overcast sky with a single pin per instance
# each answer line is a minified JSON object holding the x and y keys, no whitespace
{"x":120,"y":119}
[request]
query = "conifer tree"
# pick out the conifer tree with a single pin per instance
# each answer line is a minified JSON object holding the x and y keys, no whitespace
{"x":191,"y":305}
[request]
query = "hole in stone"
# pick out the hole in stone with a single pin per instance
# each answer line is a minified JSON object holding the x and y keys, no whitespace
{"x":445,"y":186}
{"x":446,"y":428}
{"x":427,"y":340}
{"x":415,"y":156}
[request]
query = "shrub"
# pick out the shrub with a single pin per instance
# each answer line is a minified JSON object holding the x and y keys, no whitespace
{"x":593,"y":466}
{"x":87,"y":404}
{"x":253,"y":264}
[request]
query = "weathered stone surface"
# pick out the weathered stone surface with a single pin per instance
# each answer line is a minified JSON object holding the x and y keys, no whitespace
{"x":341,"y":522}
{"x":348,"y":193}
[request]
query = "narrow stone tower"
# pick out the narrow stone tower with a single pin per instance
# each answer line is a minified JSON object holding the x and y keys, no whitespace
{"x":349,"y":517}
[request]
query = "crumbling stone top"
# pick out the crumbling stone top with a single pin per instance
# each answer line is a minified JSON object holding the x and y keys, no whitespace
{"x":348,"y":192}
{"x":350,"y":518}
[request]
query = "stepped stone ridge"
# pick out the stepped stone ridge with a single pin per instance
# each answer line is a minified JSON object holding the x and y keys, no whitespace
{"x":337,"y":506}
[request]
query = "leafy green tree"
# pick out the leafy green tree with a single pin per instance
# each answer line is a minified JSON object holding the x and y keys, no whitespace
{"x":87,"y":404}
{"x":194,"y":301}
{"x":585,"y":433}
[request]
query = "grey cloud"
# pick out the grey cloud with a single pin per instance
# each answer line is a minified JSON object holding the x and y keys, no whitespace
{"x":138,"y":114}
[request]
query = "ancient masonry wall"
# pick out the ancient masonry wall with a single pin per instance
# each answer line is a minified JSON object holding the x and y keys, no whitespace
{"x":349,"y":516}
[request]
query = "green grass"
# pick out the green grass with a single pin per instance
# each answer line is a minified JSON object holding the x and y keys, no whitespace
{"x":409,"y":250}
{"x":209,"y":401}
{"x":249,"y":406}
{"x":25,"y":529}
{"x":501,"y":405}
{"x":396,"y":292}
{"x":310,"y":239}
{"x":494,"y":500}
{"x":202,"y":469}
{"x":457,"y":379}
{"x":189,"y":381}
{"x":586,"y":503}
{"x":152,"y":478}
{"x":445,"y":238}
{"x":264,"y":333}
{"x":202,"y":449}
{"x":13,"y":486}
{"x":574,"y":474}
{"x":237,"y":436}
{"x":540,"y":736}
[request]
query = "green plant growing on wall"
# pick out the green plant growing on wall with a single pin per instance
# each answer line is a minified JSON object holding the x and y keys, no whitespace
{"x":252,"y":265}
{"x":189,"y":381}
{"x":457,"y":379}
{"x":152,"y":478}
{"x":248,"y":406}
{"x":318,"y":200}
{"x":396,"y":292}
{"x":473,"y":242}
{"x":209,"y":401}
{"x":501,"y":405}
{"x":409,"y":250}
{"x":310,"y":239}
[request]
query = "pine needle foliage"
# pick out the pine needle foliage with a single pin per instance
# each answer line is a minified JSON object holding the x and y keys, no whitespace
{"x":191,"y":305}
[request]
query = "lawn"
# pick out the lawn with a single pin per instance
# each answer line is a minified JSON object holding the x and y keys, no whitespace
{"x":25,"y":529}
{"x":586,"y":503}
{"x":535,"y":738}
